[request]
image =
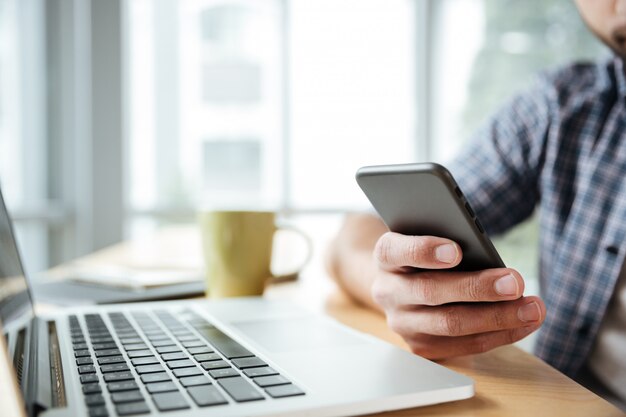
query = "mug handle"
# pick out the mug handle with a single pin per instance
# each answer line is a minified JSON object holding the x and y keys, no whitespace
{"x":293,"y":275}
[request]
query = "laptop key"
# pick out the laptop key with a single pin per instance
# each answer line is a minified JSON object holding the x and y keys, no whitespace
{"x":161,"y":387}
{"x":214,"y":365}
{"x":135,"y":346}
{"x":158,"y":377}
{"x":103,"y":346}
{"x":116,"y":367}
{"x":118,"y":376}
{"x":240,"y":389}
{"x":106,"y":339}
{"x":223,"y":343}
{"x":127,"y":340}
{"x":280,"y":391}
{"x":248,"y":363}
{"x":81,"y":353}
{"x":126,"y":397}
{"x":148,"y":360}
{"x":148,"y":369}
{"x":206,"y":395}
{"x":183,"y":363}
{"x":191,"y":381}
{"x":182,"y":372}
{"x":122,"y":386}
{"x":86,"y":369}
{"x":98,"y":411}
{"x":187,"y":338}
{"x":174,"y":356}
{"x":94,"y":399}
{"x":132,"y":408}
{"x":203,"y":357}
{"x":263,"y":371}
{"x":164,"y":342}
{"x":80,"y":346}
{"x":223,"y":373}
{"x":168,"y":349}
{"x":107,"y":352}
{"x":93,"y":388}
{"x":158,"y":336}
{"x":193,"y":343}
{"x":108,"y":360}
{"x":84,"y":361}
{"x":269,"y":381}
{"x":200,"y":349}
{"x":88,"y":378}
{"x":170,"y":401}
{"x":139,"y":353}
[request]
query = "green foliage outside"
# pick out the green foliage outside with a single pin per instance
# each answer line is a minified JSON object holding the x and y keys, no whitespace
{"x":550,"y":32}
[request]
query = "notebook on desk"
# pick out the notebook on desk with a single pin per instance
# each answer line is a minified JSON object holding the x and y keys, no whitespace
{"x":88,"y":283}
{"x":233,"y":357}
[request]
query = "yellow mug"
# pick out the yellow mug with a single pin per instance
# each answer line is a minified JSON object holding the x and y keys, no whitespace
{"x":237,"y":248}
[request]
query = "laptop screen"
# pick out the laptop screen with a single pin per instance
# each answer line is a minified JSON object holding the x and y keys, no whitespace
{"x":15,"y":302}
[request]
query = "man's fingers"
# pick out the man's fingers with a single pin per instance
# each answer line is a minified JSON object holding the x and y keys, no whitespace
{"x":466,"y":319}
{"x":394,"y":251}
{"x":438,"y":347}
{"x":433,"y":288}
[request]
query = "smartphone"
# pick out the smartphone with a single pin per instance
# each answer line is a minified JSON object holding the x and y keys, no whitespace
{"x":424,"y":199}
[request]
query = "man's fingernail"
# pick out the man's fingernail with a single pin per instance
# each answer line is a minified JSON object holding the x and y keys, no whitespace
{"x":507,"y":285}
{"x":446,"y":253}
{"x":529,"y":312}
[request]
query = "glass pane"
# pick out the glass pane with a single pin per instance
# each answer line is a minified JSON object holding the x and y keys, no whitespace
{"x":207,"y":118}
{"x":10,"y":128}
{"x":352,"y":95}
{"x":23,"y":123}
{"x":205,"y":94}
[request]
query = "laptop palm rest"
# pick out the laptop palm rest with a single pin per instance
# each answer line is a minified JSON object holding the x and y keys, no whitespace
{"x":295,"y":334}
{"x":312,"y":349}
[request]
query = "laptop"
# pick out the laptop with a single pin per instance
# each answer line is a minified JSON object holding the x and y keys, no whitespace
{"x":232,"y":357}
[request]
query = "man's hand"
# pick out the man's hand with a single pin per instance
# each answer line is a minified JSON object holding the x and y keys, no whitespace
{"x":443,"y":313}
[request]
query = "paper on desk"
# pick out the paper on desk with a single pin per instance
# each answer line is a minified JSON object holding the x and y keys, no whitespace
{"x":133,"y":278}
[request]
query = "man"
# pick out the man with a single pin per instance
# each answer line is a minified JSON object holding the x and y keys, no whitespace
{"x":559,"y":148}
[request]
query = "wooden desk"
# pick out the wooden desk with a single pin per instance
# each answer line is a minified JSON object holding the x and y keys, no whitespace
{"x":509,"y":381}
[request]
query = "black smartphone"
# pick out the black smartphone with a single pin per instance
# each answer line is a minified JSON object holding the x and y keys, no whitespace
{"x":424,"y":199}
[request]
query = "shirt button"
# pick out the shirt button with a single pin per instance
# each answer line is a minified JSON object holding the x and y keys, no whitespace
{"x":584,"y":330}
{"x":612,"y":249}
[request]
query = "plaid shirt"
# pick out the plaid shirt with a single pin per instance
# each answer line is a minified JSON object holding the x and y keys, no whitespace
{"x":560,"y":147}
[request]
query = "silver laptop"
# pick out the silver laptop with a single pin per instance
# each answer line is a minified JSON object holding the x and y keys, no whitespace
{"x":236,"y":357}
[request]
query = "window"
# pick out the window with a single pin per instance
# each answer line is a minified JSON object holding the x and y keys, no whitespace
{"x":57,"y":71}
{"x":352,"y":95}
{"x":23,"y":159}
{"x":231,"y":102}
{"x":266,"y":102}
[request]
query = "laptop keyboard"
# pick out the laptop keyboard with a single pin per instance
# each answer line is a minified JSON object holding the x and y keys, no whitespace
{"x":166,"y":364}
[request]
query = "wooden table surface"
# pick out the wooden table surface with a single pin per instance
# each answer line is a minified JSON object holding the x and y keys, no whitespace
{"x":509,"y":381}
